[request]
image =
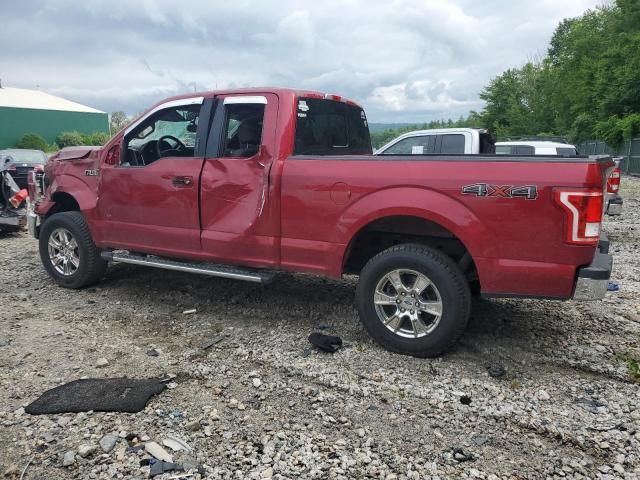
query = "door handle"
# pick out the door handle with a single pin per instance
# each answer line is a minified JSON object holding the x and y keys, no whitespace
{"x":182,"y":181}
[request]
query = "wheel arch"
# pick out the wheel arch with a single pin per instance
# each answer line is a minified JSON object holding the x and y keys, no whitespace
{"x":62,"y":202}
{"x":68,"y":193}
{"x":426,"y":216}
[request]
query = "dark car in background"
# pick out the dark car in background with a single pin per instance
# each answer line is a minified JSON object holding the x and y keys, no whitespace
{"x":21,"y":162}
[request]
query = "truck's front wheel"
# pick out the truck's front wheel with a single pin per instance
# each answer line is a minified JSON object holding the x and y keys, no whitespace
{"x":413,"y":300}
{"x":67,"y":251}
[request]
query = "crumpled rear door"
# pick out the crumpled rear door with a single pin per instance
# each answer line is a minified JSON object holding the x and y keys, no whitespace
{"x":239,"y":210}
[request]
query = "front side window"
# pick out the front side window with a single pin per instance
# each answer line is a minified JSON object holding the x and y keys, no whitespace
{"x":427,"y":145}
{"x":243,"y":129}
{"x":412,"y":146}
{"x":168,"y":133}
{"x":327,"y":127}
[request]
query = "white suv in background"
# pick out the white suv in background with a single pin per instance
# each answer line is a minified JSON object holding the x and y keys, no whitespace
{"x":525,"y":147}
{"x":613,"y":205}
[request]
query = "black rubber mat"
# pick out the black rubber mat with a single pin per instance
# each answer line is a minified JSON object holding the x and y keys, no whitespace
{"x":97,"y":394}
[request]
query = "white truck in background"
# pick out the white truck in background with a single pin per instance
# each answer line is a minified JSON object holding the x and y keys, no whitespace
{"x":468,"y":141}
{"x":448,"y":141}
{"x":613,"y":199}
{"x":535,"y":147}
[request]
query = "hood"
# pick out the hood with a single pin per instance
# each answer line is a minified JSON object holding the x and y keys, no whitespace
{"x":75,"y":153}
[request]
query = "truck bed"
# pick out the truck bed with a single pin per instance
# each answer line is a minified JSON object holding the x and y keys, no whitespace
{"x":505,"y":236}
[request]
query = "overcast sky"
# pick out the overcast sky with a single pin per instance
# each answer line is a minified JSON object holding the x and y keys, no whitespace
{"x":404,"y":60}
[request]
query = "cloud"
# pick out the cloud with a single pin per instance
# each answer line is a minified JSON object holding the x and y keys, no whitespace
{"x":404,"y":60}
{"x":416,"y":97}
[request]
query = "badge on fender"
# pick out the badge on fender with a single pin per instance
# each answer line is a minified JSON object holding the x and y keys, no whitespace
{"x":91,"y":173}
{"x":530,"y":192}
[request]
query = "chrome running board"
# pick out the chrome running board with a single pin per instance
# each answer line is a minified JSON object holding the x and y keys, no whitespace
{"x":225,"y":271}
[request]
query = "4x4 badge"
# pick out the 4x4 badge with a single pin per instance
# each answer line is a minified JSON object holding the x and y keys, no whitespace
{"x":530,"y":192}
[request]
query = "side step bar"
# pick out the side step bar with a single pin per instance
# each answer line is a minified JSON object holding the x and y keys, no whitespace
{"x":225,"y":271}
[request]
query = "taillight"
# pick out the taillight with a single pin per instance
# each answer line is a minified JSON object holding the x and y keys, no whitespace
{"x":335,"y":98}
{"x":31,"y":184}
{"x":34,"y":185}
{"x":613,"y":182}
{"x":584,"y":215}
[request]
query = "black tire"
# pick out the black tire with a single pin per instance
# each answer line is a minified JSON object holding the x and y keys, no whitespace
{"x":91,"y":266}
{"x":445,"y":276}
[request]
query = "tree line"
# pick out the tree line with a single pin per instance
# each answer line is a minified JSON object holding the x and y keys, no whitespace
{"x":587,"y":86}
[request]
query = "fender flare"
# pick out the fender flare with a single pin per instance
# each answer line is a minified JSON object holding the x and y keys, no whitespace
{"x":75,"y":187}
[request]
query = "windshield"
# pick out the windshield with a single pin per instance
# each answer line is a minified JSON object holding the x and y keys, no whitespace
{"x":25,"y":156}
{"x":328,"y":127}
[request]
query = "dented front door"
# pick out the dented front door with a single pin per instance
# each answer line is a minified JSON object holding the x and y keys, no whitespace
{"x":239,"y":213}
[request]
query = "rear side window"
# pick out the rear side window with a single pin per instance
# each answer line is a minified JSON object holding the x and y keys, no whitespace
{"x":524,"y":150}
{"x":567,"y":151}
{"x":515,"y":150}
{"x":452,"y":144}
{"x":243,"y":129}
{"x":327,"y":127}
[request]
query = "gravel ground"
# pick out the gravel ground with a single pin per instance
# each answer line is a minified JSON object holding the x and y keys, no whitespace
{"x":261,"y":404}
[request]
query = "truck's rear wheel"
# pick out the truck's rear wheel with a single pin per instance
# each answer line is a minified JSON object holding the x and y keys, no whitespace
{"x":413,"y":300}
{"x":67,"y":251}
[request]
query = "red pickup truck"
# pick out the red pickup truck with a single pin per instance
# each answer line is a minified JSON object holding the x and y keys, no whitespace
{"x":244,"y":183}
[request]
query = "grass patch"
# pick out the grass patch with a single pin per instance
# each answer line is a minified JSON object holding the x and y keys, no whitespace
{"x":633,"y":366}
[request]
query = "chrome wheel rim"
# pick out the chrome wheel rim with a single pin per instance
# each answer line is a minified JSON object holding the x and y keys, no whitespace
{"x":408,"y":303}
{"x":63,"y":252}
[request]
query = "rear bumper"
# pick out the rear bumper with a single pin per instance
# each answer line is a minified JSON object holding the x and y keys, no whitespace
{"x":614,"y":205}
{"x":593,"y":280}
{"x":552,"y":281}
{"x":12,"y":221}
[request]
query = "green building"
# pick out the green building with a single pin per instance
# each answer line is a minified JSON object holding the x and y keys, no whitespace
{"x":32,"y":111}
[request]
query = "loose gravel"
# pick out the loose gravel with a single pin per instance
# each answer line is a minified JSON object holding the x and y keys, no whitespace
{"x":535,"y":389}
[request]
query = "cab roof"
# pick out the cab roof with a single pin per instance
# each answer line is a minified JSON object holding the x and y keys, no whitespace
{"x":280,"y":91}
